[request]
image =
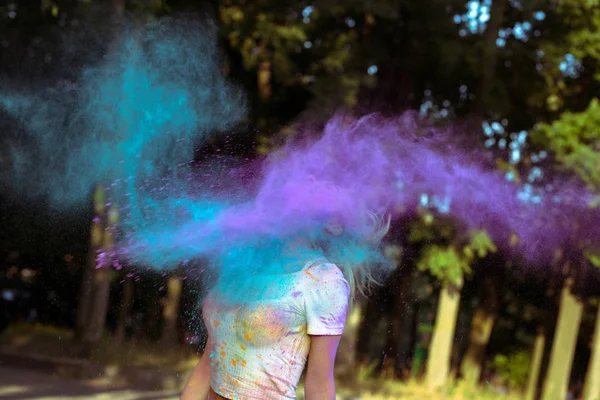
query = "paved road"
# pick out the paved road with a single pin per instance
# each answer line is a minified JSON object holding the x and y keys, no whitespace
{"x":21,"y":384}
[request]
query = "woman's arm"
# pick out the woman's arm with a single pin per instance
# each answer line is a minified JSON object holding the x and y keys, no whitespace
{"x":320,"y":384}
{"x":198,"y":384}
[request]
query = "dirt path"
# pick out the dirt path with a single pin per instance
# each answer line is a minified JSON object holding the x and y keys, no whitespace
{"x":20,"y":384}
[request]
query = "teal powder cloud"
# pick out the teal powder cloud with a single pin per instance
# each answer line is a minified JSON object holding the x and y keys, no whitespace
{"x":131,"y":119}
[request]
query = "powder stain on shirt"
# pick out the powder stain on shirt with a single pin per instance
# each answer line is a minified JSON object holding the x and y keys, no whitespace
{"x":269,"y":333}
{"x":311,"y":276}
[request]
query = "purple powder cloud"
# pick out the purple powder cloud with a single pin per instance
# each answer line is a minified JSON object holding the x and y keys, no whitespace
{"x":370,"y":166}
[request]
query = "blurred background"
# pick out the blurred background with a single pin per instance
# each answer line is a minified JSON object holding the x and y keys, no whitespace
{"x":521,"y":76}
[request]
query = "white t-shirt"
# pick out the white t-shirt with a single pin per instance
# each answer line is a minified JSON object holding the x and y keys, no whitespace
{"x":259,"y":349}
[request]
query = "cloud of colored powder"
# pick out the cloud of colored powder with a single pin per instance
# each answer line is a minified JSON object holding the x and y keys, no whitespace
{"x":133,"y":116}
{"x":132,"y":122}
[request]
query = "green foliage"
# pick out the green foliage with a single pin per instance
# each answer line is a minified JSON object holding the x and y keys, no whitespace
{"x":574,"y":137}
{"x":446,"y":254}
{"x":575,"y":30}
{"x":593,"y":256}
{"x":513,"y":369}
{"x":277,"y":32}
{"x":583,"y":38}
{"x":479,"y":245}
{"x":575,"y":141}
{"x":445,"y":263}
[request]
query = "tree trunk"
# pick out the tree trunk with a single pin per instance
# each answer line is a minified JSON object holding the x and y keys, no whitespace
{"x":264,"y":80}
{"x":126,"y":303}
{"x":556,"y":382}
{"x":171,"y":310}
{"x":99,"y":305}
{"x":481,"y":330}
{"x":90,"y":277}
{"x":536,"y":364}
{"x":440,"y":352}
{"x":347,"y":355}
{"x":591,"y":388}
{"x":96,"y":237}
{"x":489,"y":57}
{"x":95,"y":285}
{"x":101,"y":286}
{"x":547,"y":323}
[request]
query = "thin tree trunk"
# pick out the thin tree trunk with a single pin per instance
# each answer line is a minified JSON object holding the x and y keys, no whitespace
{"x":489,"y":57}
{"x":536,"y":364}
{"x":556,"y":382}
{"x":124,"y":311}
{"x":90,"y":278}
{"x":440,"y":352}
{"x":101,"y":286}
{"x":548,"y":320}
{"x":99,"y":305}
{"x":347,"y":354}
{"x":171,"y":310}
{"x":96,"y":282}
{"x":591,"y":388}
{"x":96,"y":237}
{"x":481,"y":330}
{"x":264,"y":85}
{"x":264,"y":80}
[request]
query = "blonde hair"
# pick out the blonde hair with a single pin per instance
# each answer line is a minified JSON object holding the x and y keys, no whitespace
{"x":360,"y":275}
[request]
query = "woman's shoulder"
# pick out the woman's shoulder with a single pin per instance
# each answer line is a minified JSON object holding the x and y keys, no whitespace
{"x":325,"y":289}
{"x":323,"y":270}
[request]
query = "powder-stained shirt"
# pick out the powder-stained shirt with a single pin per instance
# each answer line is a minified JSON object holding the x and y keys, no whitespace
{"x":259,"y":348}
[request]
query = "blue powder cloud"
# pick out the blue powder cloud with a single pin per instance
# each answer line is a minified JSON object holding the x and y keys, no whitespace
{"x":132,"y":118}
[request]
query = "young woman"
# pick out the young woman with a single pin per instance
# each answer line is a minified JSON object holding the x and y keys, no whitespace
{"x":264,"y":331}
